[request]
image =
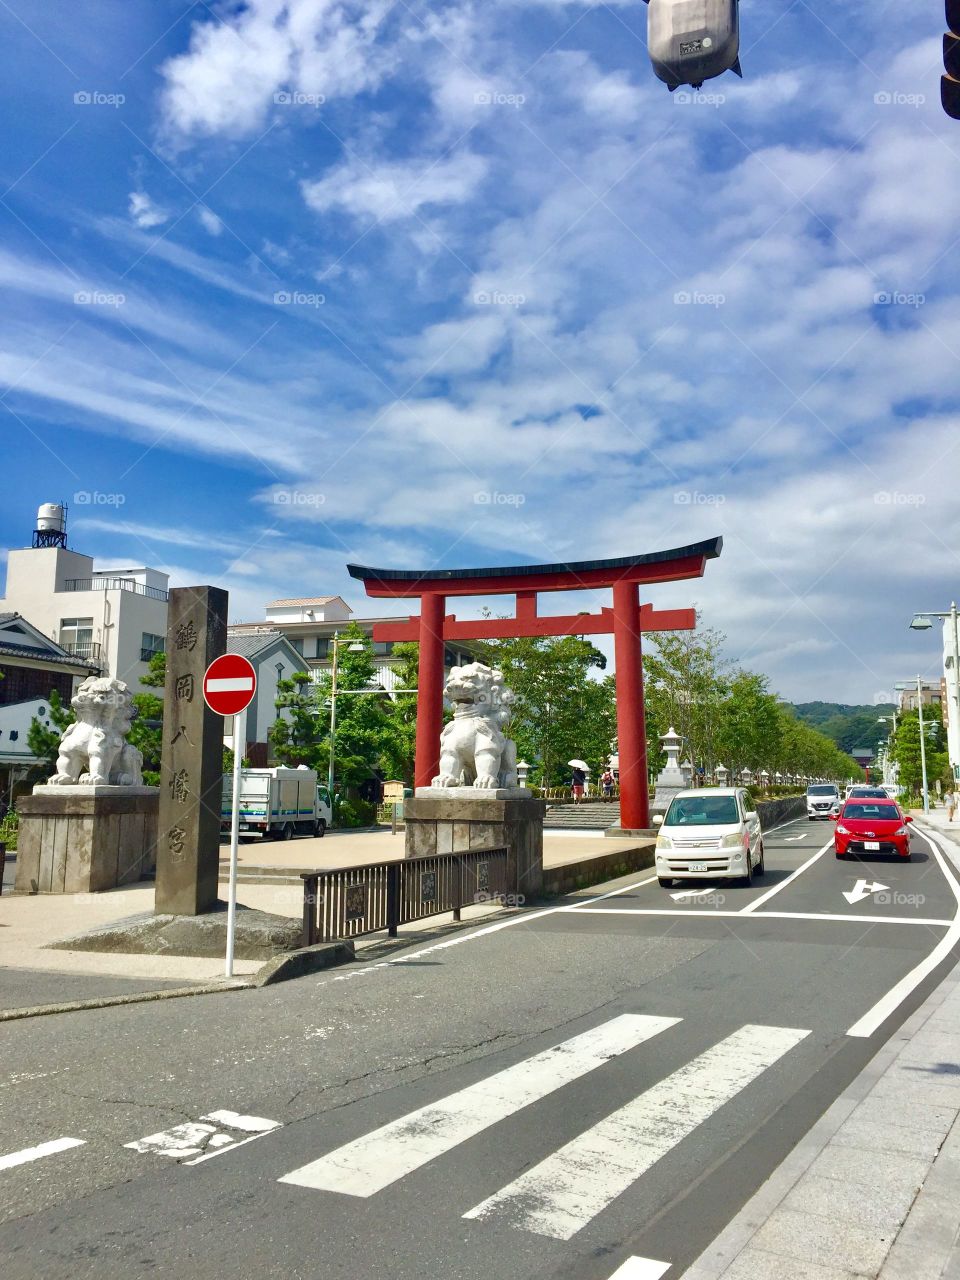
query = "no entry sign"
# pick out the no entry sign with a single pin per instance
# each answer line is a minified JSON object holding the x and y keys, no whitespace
{"x":229,"y":684}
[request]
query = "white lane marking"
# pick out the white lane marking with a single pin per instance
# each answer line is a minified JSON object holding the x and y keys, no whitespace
{"x":37,"y":1153}
{"x":203,"y":1139}
{"x":565,"y":1191}
{"x":829,"y":917}
{"x":182,"y":1140}
{"x":461,"y":938}
{"x":375,"y":1160}
{"x":863,"y":889}
{"x":765,"y":897}
{"x":693,"y":893}
{"x":885,"y":1006}
{"x":790,"y":839}
{"x":249,"y":1124}
{"x":641,"y":1269}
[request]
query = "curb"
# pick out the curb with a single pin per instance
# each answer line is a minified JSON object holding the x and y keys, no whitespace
{"x":137,"y":997}
{"x":295,"y":964}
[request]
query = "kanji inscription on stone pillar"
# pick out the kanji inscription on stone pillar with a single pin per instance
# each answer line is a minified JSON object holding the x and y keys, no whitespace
{"x":191,"y":768}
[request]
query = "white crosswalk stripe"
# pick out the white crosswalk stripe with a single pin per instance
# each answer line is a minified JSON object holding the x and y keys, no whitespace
{"x":565,"y":1191}
{"x":374,"y":1161}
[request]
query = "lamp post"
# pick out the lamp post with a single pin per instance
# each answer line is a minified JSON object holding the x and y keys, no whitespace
{"x":353,"y":647}
{"x":922,"y":622}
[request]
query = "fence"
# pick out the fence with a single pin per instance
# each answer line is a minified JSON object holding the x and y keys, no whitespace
{"x":352,"y":901}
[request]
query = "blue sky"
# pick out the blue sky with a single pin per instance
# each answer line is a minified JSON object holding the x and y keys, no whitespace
{"x":292,"y":284}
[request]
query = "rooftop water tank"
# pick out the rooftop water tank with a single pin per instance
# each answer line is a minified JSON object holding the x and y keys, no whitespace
{"x":51,"y":517}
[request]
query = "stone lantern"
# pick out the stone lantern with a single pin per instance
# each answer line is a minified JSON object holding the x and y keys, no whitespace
{"x":721,"y":773}
{"x":746,"y":777}
{"x":523,"y":770}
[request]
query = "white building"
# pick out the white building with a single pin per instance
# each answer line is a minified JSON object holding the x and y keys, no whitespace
{"x":311,"y":622}
{"x":113,"y":618}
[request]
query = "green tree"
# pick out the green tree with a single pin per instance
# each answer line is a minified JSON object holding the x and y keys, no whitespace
{"x":299,"y":733}
{"x":402,"y":710}
{"x":750,"y":723}
{"x":45,"y":743}
{"x":686,"y":679}
{"x":146,"y":732}
{"x":561,"y":710}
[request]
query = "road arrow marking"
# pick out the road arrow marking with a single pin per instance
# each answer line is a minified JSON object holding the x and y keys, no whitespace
{"x":790,"y":839}
{"x":862,"y":890}
{"x":692,"y":893}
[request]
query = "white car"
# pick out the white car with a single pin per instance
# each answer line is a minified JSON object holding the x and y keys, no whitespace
{"x":709,"y":832}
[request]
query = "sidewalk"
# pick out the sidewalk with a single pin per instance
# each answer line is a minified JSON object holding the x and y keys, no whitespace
{"x":873,"y":1190}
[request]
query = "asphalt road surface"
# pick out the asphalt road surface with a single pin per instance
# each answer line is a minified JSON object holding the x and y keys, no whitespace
{"x":552,"y":1095}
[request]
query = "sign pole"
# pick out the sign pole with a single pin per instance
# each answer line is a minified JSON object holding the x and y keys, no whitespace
{"x":239,"y":743}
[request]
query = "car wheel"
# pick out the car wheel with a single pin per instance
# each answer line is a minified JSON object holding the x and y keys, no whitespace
{"x":287,"y":832}
{"x":321,"y":828}
{"x":747,"y":878}
{"x":761,"y":866}
{"x":665,"y":882}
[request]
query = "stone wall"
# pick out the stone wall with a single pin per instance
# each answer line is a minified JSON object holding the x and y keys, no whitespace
{"x":784,"y":809}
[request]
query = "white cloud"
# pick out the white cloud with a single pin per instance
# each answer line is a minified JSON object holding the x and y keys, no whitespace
{"x":237,"y":64}
{"x":389,"y":191}
{"x":209,"y":220}
{"x":144,"y":212}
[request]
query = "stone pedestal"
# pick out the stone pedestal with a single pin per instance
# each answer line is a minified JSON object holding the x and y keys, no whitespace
{"x":80,"y":839}
{"x":458,"y":819}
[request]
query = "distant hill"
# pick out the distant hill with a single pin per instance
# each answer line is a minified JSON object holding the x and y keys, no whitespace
{"x":848,"y":726}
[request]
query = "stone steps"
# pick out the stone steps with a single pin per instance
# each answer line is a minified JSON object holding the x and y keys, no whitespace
{"x":591,"y":816}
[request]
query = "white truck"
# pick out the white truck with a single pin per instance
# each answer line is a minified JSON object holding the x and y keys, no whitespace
{"x":278,"y":803}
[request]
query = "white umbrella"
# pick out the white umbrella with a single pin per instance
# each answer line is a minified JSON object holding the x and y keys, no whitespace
{"x":578,"y":764}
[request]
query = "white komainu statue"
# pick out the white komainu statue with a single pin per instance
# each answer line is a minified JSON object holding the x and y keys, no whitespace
{"x":94,"y":750}
{"x":473,"y":747}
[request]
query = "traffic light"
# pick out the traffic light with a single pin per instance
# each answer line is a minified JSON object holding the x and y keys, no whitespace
{"x":950,"y":83}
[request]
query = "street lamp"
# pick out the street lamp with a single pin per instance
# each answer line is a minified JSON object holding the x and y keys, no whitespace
{"x":354,"y":646}
{"x":923,"y":622}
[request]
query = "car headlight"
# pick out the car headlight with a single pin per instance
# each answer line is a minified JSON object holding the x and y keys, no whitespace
{"x":664,"y":842}
{"x":902,"y":831}
{"x":842,"y":831}
{"x":732,"y":841}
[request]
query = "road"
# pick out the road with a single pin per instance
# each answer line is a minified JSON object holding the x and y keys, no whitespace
{"x":547,"y":1096}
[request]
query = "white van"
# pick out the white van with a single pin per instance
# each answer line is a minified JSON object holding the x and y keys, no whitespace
{"x":708,"y":832}
{"x":823,"y":799}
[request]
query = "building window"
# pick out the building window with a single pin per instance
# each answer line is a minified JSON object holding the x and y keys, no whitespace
{"x":383,"y":648}
{"x":298,"y":645}
{"x":76,"y":636}
{"x":323,"y":648}
{"x":150,"y":645}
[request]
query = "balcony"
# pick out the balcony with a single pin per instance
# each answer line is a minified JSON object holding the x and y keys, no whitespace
{"x":115,"y":584}
{"x":88,"y":650}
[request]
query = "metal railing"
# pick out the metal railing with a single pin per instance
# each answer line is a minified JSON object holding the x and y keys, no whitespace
{"x":115,"y":584}
{"x":352,"y":901}
{"x":83,"y":649}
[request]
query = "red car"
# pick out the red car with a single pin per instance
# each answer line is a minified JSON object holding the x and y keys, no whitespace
{"x":872,"y":826}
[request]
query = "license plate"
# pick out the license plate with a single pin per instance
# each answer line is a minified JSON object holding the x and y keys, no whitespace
{"x":243,"y":826}
{"x":871,"y":844}
{"x":698,"y":866}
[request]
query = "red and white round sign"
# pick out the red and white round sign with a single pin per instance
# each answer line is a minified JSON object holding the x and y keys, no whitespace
{"x":229,"y":684}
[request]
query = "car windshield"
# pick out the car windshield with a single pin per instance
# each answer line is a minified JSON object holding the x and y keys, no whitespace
{"x":863,"y":811}
{"x":821,"y":791}
{"x":702,"y":811}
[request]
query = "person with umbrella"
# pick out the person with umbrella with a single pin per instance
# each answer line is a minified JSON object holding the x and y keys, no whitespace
{"x":578,"y":779}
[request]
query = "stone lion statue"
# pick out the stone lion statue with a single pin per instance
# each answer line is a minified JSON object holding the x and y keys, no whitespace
{"x":94,"y":750}
{"x":474,"y":751}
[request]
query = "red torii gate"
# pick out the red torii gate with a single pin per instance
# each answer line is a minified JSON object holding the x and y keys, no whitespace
{"x":628,"y":619}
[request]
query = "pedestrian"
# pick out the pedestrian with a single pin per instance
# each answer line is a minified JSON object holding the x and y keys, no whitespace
{"x":950,"y":800}
{"x":606,"y":784}
{"x":577,"y":780}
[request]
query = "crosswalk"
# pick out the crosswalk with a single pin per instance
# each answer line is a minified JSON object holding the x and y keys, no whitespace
{"x":555,"y":1197}
{"x":565,"y":1191}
